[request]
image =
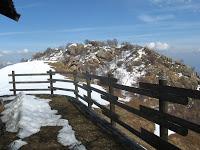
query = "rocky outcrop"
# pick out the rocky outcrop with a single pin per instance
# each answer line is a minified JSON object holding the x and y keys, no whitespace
{"x":130,"y":63}
{"x":105,"y":54}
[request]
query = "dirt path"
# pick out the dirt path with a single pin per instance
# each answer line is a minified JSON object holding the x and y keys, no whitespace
{"x":90,"y":135}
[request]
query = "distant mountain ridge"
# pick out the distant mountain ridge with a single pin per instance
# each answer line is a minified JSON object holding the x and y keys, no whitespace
{"x":4,"y":64}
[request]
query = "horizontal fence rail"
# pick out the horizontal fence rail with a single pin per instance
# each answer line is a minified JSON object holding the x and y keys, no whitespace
{"x":161,"y":92}
{"x":30,"y":74}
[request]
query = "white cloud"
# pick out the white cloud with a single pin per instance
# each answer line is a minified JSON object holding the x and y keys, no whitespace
{"x":24,"y":51}
{"x":158,"y":45}
{"x":148,"y":18}
{"x":5,"y":52}
{"x":170,"y":2}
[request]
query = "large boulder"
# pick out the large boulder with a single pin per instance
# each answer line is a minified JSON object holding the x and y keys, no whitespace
{"x":105,"y":54}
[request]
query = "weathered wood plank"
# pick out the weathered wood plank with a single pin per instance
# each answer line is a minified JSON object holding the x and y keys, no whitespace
{"x":156,"y":141}
{"x":75,"y":84}
{"x":148,"y":116}
{"x":14,"y":84}
{"x":30,"y":89}
{"x":104,"y":109}
{"x":105,"y":126}
{"x":89,"y":92}
{"x":163,"y":107}
{"x":163,"y":121}
{"x":31,"y":74}
{"x":63,"y":80}
{"x":82,"y":87}
{"x":176,"y":120}
{"x":28,"y":82}
{"x":97,"y":90}
{"x":111,"y":92}
{"x":145,"y":92}
{"x":154,"y":94}
{"x":173,"y":90}
{"x":168,"y":97}
{"x":63,"y":89}
{"x":83,"y":98}
{"x":51,"y":82}
{"x":63,"y":72}
{"x":124,"y":106}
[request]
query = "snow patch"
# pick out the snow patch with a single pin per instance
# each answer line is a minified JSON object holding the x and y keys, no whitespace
{"x":73,"y":44}
{"x":27,"y":114}
{"x":17,"y":144}
{"x":157,"y":130}
{"x":198,"y":87}
{"x":180,"y":75}
{"x":141,"y":52}
{"x":129,"y":78}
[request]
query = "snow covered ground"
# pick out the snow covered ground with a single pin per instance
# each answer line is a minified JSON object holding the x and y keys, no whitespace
{"x":26,"y":114}
{"x":39,"y":67}
{"x":20,"y":112}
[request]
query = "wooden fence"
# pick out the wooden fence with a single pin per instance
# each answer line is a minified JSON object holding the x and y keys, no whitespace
{"x":161,"y":91}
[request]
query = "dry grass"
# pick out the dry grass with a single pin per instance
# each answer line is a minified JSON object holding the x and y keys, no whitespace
{"x":1,"y":107}
{"x":58,"y":66}
{"x":89,"y":134}
{"x":189,"y":142}
{"x":46,"y":139}
{"x":132,"y":120}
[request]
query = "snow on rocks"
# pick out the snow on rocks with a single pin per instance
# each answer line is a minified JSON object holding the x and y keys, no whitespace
{"x":141,"y":52}
{"x":122,"y":72}
{"x":179,"y":75}
{"x":27,"y":114}
{"x":73,"y":44}
{"x":129,"y":78}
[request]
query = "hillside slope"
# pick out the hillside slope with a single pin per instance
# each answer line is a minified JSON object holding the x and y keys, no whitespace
{"x":129,"y":63}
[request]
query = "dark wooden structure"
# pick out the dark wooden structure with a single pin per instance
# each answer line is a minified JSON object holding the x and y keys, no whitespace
{"x":7,"y":9}
{"x":165,"y":94}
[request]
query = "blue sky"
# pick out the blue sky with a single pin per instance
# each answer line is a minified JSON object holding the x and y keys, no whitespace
{"x":166,"y":24}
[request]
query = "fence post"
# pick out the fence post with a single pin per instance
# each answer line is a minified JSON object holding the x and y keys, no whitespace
{"x":88,"y":81}
{"x":75,"y":84}
{"x":51,"y":82}
{"x":111,"y":91}
{"x":163,"y":107}
{"x":14,"y":84}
